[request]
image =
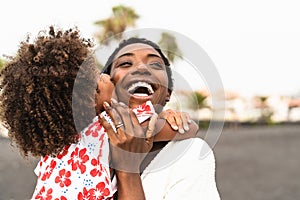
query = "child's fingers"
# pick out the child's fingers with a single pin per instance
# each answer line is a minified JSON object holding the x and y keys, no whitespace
{"x":178,"y":120}
{"x":185,"y":121}
{"x":171,"y":120}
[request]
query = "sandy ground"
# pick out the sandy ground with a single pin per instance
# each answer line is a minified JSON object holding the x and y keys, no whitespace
{"x":259,"y":163}
{"x":255,"y":163}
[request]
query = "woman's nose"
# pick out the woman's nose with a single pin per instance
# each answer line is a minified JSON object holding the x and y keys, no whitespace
{"x":142,"y":68}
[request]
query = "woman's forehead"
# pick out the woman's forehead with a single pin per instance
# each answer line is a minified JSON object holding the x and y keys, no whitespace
{"x":136,"y":47}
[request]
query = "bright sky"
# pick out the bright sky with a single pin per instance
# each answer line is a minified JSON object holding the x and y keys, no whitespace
{"x":255,"y":45}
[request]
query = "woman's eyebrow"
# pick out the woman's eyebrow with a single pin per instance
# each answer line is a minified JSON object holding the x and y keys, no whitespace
{"x":131,"y":54}
{"x":153,"y":55}
{"x":125,"y":54}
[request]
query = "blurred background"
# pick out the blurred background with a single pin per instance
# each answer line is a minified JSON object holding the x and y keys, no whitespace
{"x":255,"y":47}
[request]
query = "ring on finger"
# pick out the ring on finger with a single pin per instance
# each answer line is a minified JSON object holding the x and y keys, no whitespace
{"x":120,"y":124}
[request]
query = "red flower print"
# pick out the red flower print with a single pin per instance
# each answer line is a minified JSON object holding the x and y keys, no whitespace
{"x":48,"y":170}
{"x":78,"y":158}
{"x":101,"y":191}
{"x":101,"y":141}
{"x":63,"y":178}
{"x":45,"y":158}
{"x":43,"y":195}
{"x":61,"y":198}
{"x":94,"y":129}
{"x":98,"y":168}
{"x":84,"y":195}
{"x":64,"y":152}
{"x":142,"y":108}
{"x":147,"y":108}
{"x":98,"y":193}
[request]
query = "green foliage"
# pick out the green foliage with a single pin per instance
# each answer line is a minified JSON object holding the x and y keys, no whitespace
{"x":197,"y":100}
{"x":203,"y":124}
{"x":169,"y":46}
{"x":121,"y":18}
{"x":266,"y":112}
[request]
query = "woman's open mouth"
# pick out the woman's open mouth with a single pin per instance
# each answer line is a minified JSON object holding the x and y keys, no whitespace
{"x":141,"y":89}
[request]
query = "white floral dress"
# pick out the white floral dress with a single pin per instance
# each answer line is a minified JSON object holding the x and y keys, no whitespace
{"x":81,"y":171}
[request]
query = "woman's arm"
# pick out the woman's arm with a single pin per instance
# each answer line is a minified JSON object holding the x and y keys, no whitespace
{"x":129,"y":186}
{"x":174,"y":125}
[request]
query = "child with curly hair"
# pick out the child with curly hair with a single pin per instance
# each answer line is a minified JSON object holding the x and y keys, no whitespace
{"x":37,"y":106}
{"x":38,"y":102}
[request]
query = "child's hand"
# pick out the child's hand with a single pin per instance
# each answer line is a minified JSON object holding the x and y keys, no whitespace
{"x":179,"y":121}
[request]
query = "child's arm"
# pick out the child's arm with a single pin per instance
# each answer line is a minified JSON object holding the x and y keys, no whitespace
{"x":166,"y":133}
{"x":178,"y":126}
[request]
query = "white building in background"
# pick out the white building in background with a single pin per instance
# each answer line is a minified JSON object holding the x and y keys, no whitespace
{"x":246,"y":109}
{"x":279,"y":106}
{"x":294,"y":115}
{"x":181,"y":100}
{"x":294,"y":109}
{"x":238,"y":108}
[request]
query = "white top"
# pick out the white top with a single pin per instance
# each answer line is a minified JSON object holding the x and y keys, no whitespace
{"x":182,"y":170}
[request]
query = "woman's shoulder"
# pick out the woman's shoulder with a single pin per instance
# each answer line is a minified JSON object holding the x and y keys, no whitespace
{"x":191,"y":143}
{"x":193,"y":149}
{"x":190,"y":149}
{"x":180,"y":154}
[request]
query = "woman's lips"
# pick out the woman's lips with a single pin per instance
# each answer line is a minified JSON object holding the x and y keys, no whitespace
{"x":139,"y":99}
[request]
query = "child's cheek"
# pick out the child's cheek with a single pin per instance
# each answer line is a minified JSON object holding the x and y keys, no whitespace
{"x":107,"y":89}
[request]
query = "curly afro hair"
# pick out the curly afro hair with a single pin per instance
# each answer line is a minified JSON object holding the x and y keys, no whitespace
{"x":37,"y":98}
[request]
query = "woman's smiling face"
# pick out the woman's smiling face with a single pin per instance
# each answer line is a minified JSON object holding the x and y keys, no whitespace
{"x":139,"y":74}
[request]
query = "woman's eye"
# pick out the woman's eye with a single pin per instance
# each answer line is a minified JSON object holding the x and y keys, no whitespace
{"x":125,"y":64}
{"x":157,"y":65}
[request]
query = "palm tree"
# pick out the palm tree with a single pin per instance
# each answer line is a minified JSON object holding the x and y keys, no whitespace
{"x":198,"y":100}
{"x":169,"y":46}
{"x":124,"y":17}
{"x":121,"y":18}
{"x":266,"y":111}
